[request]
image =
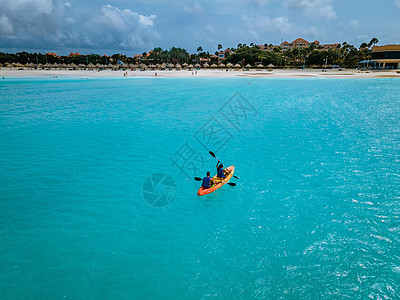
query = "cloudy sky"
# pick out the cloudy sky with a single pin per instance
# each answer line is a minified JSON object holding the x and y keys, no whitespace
{"x":132,"y":27}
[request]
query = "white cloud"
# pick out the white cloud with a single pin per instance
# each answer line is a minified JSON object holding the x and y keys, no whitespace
{"x":196,"y":8}
{"x":314,"y":8}
{"x":54,"y":23}
{"x":6,"y":27}
{"x":263,"y":24}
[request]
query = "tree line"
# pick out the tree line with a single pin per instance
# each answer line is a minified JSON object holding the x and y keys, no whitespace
{"x":346,"y":56}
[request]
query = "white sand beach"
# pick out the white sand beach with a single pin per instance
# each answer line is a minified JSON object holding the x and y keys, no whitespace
{"x":265,"y":73}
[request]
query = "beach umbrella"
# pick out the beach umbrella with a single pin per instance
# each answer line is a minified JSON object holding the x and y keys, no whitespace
{"x":197,"y":65}
{"x":158,"y":66}
{"x":152,"y":66}
{"x":64,"y":65}
{"x":30,"y":65}
{"x":91,"y":66}
{"x":8,"y":65}
{"x":270,"y":66}
{"x":184,"y":65}
{"x":1,"y":65}
{"x":40,"y":66}
{"x":214,"y":66}
{"x":190,"y":66}
{"x":171,"y":65}
{"x":260,"y":66}
{"x":206,"y":65}
{"x":178,"y":66}
{"x":82,"y":66}
{"x":98,"y":66}
{"x":222,"y":65}
{"x":229,"y":65}
{"x":237,"y":66}
{"x":143,"y":66}
{"x":248,"y":66}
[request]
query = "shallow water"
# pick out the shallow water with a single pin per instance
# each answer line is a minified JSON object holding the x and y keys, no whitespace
{"x":315,"y":213}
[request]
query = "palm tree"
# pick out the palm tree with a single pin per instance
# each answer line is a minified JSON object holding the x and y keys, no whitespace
{"x":374,"y":41}
{"x":219,"y":46}
{"x":199,"y":49}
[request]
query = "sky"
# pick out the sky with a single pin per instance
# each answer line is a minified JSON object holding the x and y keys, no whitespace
{"x":132,"y":27}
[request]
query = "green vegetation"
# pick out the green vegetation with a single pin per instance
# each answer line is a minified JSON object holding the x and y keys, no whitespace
{"x":346,"y":56}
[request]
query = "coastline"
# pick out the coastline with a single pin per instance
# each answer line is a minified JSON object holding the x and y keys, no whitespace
{"x":205,"y":73}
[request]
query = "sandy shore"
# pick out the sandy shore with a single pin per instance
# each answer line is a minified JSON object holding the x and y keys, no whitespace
{"x":275,"y":73}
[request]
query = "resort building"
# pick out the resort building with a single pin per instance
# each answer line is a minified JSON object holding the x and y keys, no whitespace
{"x":297,"y":44}
{"x":386,"y":57}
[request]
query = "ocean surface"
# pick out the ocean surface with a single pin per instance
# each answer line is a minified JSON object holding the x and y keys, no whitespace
{"x":98,"y":200}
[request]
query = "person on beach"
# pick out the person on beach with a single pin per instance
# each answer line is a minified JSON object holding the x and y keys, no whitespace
{"x":207,"y":181}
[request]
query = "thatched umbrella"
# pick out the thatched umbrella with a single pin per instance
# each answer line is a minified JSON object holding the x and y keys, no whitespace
{"x":178,"y":66}
{"x":237,"y":66}
{"x":206,"y":65}
{"x":260,"y":66}
{"x":152,"y":66}
{"x":248,"y":66}
{"x":222,"y":65}
{"x":30,"y":65}
{"x":98,"y":66}
{"x":143,"y":66}
{"x":82,"y":66}
{"x":197,"y":65}
{"x":64,"y":66}
{"x":1,"y":65}
{"x":171,"y":65}
{"x":185,"y":65}
{"x":91,"y":66}
{"x":190,"y":66}
{"x":39,"y":66}
{"x":229,"y":65}
{"x":214,"y":66}
{"x":132,"y":66}
{"x":270,"y":66}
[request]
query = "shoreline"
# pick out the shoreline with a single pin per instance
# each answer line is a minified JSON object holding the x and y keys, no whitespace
{"x":204,"y":73}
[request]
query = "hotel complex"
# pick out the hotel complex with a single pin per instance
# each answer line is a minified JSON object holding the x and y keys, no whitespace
{"x":386,"y":57}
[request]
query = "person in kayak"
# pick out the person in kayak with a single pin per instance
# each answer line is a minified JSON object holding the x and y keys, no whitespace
{"x":207,"y":181}
{"x":221,"y":172}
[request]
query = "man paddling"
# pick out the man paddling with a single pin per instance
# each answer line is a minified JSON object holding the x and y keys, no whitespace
{"x":221,"y":172}
{"x":207,"y":181}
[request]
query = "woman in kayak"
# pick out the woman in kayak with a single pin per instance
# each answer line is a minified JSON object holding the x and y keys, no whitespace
{"x":207,"y":181}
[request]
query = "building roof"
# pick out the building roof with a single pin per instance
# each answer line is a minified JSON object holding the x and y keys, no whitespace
{"x":386,"y":48}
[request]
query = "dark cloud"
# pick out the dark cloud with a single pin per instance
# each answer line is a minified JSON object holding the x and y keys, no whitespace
{"x":54,"y":24}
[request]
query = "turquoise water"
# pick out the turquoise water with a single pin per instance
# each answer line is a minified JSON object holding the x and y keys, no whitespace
{"x":315,"y":213}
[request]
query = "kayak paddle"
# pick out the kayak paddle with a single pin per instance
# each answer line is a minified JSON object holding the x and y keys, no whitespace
{"x":213,"y":155}
{"x":230,"y":183}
